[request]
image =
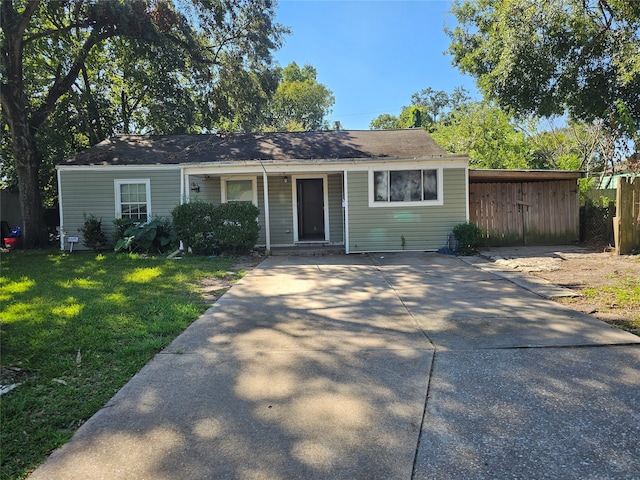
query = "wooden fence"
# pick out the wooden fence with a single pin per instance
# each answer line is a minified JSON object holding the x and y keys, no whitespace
{"x":626,"y":223}
{"x":526,"y":213}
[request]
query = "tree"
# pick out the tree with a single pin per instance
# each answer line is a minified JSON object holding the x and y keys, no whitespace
{"x":386,"y":121}
{"x":488,"y":135}
{"x":300,"y":102}
{"x":428,"y":107}
{"x":570,"y":146}
{"x":548,"y":58}
{"x":53,"y":53}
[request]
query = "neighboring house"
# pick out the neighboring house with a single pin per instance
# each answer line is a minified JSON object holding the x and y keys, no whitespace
{"x":361,"y":190}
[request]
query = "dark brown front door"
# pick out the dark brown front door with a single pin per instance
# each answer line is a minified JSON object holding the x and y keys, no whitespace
{"x":310,"y":209}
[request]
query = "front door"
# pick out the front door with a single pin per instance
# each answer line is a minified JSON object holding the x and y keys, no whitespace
{"x":310,"y":201}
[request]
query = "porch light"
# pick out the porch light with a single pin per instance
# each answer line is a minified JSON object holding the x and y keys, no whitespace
{"x":195,"y":187}
{"x":285,"y":179}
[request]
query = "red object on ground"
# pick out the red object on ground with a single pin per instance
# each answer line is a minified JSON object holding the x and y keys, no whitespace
{"x":12,"y":242}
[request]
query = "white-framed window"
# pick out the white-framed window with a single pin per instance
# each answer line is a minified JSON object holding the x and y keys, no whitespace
{"x":133,"y":199}
{"x":418,"y":187}
{"x":239,"y":189}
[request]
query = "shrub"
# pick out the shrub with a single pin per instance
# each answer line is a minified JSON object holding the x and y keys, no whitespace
{"x":155,"y":236}
{"x":235,"y":226}
{"x":193,"y":224}
{"x":92,"y":235}
{"x":230,"y":227}
{"x":467,"y":237}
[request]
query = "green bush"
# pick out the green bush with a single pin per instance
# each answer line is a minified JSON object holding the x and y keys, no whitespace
{"x":235,"y":226}
{"x":93,"y":236}
{"x":155,"y":236}
{"x":467,"y":237}
{"x":193,"y":224}
{"x":230,"y":227}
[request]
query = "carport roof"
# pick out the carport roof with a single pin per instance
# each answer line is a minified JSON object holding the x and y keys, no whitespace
{"x":496,"y":176}
{"x":230,"y":147}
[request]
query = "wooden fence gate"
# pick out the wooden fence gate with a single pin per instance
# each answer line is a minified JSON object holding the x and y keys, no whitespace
{"x":626,"y":223}
{"x":526,"y":213}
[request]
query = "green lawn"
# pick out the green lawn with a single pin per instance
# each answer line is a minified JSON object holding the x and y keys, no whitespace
{"x":79,"y":326}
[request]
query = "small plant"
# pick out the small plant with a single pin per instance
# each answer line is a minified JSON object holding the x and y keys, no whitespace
{"x":155,"y":236}
{"x":467,"y":236}
{"x":92,"y":235}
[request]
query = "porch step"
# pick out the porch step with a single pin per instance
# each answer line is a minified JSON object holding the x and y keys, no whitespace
{"x":308,"y":250}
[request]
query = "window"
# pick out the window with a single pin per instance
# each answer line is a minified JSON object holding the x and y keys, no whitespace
{"x":237,"y":189}
{"x":419,"y":187}
{"x":133,"y":199}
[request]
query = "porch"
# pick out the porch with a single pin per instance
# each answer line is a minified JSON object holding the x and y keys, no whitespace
{"x":301,"y":212}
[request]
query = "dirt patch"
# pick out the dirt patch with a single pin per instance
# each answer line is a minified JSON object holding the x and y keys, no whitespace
{"x":609,"y":283}
{"x":214,"y":287}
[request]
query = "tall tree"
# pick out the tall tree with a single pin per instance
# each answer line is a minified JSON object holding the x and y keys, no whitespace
{"x":488,"y":135}
{"x":548,"y":58}
{"x":428,"y":108}
{"x":48,"y":50}
{"x":300,"y":101}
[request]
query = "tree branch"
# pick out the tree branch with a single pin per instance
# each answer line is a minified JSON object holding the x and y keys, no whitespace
{"x":61,"y":84}
{"x":10,"y":21}
{"x":53,"y":32}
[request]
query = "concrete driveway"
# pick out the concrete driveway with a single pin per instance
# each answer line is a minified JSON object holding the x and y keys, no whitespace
{"x":373,"y":367}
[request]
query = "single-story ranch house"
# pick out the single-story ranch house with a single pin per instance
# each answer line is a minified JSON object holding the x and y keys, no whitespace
{"x":363,"y":191}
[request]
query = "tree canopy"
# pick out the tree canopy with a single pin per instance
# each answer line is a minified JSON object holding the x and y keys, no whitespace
{"x":550,"y":58}
{"x":494,"y":138}
{"x":300,"y":103}
{"x":428,"y":107}
{"x":487,"y":134}
{"x":73,"y":73}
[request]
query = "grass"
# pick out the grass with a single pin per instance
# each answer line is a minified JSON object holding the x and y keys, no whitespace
{"x":623,"y":294}
{"x":79,"y":326}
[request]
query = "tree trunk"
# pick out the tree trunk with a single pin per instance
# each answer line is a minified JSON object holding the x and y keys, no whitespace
{"x":34,"y":230}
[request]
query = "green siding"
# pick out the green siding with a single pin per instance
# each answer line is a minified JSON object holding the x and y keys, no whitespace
{"x":424,"y":228}
{"x":93,"y":192}
{"x":336,"y":229}
{"x":210,"y":190}
{"x":262,"y":235}
{"x":281,"y":211}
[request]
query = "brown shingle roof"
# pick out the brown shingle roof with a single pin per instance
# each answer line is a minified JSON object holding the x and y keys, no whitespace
{"x":324,"y":145}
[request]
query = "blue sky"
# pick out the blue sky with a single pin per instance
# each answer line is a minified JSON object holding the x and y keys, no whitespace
{"x":373,"y":55}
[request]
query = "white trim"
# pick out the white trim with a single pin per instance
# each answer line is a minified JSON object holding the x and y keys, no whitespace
{"x":223,"y":186}
{"x":182,"y":196}
{"x":267,"y":216}
{"x":466,"y":192}
{"x":186,"y":188}
{"x":123,"y":168}
{"x":345,"y":220}
{"x":323,"y":164}
{"x":282,"y":167}
{"x":131,"y":181}
{"x":421,"y":203}
{"x":325,"y":206}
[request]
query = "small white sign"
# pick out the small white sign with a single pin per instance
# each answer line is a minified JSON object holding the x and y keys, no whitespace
{"x":72,"y":239}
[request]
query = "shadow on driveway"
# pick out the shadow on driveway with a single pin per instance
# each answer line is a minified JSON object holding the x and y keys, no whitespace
{"x":382,"y":366}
